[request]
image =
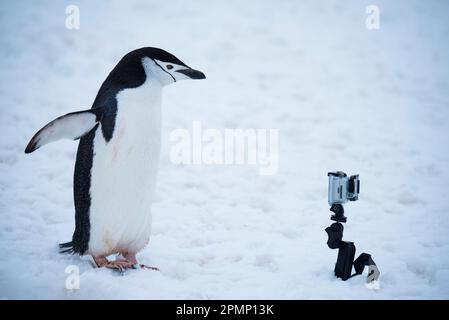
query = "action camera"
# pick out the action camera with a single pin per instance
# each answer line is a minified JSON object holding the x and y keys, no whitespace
{"x":342,"y":188}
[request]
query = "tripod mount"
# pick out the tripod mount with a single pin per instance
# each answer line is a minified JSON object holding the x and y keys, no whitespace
{"x":346,"y":250}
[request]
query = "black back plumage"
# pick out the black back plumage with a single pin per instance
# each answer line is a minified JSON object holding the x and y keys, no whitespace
{"x":128,"y":73}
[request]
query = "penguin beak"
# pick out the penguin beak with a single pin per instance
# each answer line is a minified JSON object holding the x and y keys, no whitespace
{"x":192,"y":74}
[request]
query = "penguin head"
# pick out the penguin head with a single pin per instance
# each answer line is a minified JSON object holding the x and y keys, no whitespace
{"x":163,"y":67}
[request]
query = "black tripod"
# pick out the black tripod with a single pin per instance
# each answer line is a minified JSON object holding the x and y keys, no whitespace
{"x":346,"y":249}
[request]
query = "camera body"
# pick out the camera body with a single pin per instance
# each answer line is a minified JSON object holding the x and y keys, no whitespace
{"x":342,"y":188}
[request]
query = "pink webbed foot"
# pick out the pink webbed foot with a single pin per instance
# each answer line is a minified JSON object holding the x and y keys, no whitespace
{"x":119,"y":264}
{"x":131,"y":257}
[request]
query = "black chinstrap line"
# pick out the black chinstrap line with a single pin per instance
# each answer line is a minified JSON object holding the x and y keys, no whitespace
{"x":164,"y":70}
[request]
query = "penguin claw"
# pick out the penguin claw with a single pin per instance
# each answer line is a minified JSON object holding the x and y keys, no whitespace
{"x":136,"y":265}
{"x":143,"y":266}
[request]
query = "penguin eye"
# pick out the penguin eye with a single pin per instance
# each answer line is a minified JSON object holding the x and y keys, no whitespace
{"x":169,"y":66}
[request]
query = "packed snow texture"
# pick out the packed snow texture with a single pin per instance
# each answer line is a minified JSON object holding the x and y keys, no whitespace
{"x":373,"y":102}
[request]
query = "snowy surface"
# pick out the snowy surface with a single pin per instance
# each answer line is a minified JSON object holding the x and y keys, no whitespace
{"x":343,"y":98}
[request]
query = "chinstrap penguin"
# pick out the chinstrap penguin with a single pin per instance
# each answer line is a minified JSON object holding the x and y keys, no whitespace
{"x":118,"y":155}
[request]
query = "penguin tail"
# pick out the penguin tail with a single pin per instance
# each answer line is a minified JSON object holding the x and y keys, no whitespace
{"x":66,"y":248}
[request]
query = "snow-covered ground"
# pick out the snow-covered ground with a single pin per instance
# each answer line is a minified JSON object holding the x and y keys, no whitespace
{"x":343,"y":98}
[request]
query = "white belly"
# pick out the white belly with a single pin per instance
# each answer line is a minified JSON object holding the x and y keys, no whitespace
{"x":124,"y":173}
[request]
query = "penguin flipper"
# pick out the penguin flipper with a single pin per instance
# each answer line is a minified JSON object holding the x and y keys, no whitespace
{"x":70,"y":126}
